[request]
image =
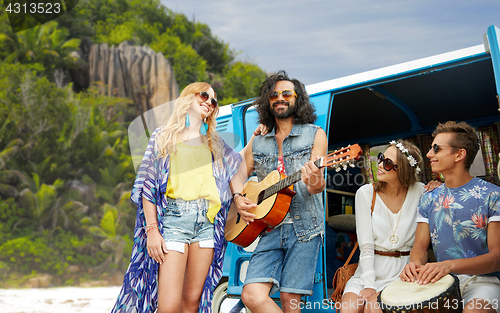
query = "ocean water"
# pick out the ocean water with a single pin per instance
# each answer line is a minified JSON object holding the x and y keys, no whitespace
{"x":58,"y":300}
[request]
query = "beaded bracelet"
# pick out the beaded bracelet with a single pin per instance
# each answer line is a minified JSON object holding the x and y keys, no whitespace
{"x":150,"y":228}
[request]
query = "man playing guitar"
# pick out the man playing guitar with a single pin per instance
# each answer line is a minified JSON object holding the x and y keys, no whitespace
{"x":285,"y":257}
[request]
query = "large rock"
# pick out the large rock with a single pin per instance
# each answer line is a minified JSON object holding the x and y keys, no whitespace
{"x":135,"y":72}
{"x":84,"y":192}
{"x":39,"y":282}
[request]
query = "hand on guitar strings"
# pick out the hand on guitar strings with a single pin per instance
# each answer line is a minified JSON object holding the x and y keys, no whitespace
{"x":313,"y":177}
{"x":243,"y":204}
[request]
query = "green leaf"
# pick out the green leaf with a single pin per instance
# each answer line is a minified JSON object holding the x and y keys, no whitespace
{"x":108,"y":223}
{"x":36,"y":179}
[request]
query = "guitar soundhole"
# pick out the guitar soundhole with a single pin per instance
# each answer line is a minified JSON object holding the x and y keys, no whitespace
{"x":238,"y":218}
{"x":260,"y":198}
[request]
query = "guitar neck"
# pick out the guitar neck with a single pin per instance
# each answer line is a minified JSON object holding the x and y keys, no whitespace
{"x":287,"y":182}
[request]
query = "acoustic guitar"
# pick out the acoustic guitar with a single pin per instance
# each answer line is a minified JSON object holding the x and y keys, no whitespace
{"x":273,"y":196}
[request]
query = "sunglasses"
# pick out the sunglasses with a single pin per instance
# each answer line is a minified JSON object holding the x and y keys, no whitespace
{"x":286,"y":94}
{"x":435,"y":147}
{"x":205,"y":96}
{"x":387,"y":163}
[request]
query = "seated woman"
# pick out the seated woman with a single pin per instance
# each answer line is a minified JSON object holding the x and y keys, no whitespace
{"x":385,"y":236}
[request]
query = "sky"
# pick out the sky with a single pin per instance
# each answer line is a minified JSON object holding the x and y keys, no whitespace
{"x":319,"y":40}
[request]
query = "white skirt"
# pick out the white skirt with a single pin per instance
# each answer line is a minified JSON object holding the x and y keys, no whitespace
{"x":387,"y":270}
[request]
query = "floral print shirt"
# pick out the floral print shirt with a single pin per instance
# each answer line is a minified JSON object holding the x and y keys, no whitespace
{"x":458,"y":218}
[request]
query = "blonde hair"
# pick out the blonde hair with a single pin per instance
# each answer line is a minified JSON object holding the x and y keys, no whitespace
{"x":168,"y":136}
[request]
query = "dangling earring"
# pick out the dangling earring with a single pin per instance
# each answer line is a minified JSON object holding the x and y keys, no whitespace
{"x":203,"y":128}
{"x":187,"y":120}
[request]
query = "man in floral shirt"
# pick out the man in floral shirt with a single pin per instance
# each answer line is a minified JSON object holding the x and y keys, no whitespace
{"x":462,"y":219}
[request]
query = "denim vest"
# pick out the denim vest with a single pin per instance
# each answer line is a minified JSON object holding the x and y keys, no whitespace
{"x":306,"y":209}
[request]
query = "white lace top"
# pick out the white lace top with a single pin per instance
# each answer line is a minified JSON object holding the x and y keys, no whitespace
{"x":374,"y":232}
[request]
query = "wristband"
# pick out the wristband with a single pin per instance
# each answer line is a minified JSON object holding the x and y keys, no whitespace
{"x":236,"y":195}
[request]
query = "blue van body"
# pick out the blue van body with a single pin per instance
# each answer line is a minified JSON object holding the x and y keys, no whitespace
{"x":412,"y":98}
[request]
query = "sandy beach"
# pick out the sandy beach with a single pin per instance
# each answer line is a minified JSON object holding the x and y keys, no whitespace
{"x":58,"y":300}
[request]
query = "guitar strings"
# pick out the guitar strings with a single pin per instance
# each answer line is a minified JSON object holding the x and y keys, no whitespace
{"x":295,"y":177}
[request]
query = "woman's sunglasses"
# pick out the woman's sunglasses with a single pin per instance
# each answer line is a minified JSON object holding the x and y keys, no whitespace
{"x":286,"y":94}
{"x":435,"y":147}
{"x":387,"y":163}
{"x":205,"y":96}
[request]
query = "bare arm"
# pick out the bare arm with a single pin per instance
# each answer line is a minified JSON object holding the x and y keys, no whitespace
{"x":237,"y":182}
{"x":155,"y":243}
{"x":482,"y":264}
{"x":418,"y":254}
{"x":312,"y":176}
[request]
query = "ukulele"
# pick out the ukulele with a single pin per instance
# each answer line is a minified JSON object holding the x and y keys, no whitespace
{"x":273,"y":196}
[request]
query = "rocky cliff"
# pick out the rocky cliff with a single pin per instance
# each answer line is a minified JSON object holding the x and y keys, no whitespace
{"x":135,"y":72}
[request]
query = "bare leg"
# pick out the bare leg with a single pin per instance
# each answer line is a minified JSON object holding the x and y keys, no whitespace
{"x":198,"y":264}
{"x":290,"y":302}
{"x":256,"y":297}
{"x":351,"y":303}
{"x":171,"y":280}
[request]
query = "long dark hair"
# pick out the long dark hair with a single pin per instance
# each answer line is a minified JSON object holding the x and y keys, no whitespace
{"x":304,"y":110}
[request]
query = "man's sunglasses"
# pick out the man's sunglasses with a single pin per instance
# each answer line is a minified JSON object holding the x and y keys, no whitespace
{"x":387,"y":163}
{"x":205,"y":96}
{"x":286,"y":94}
{"x":435,"y":147}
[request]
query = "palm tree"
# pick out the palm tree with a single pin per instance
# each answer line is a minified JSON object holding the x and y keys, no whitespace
{"x":44,"y":44}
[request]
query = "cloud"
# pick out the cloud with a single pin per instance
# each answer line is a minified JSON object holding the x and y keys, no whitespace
{"x":319,"y":40}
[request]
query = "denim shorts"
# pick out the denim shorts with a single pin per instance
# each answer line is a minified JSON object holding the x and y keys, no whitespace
{"x":185,"y":222}
{"x":282,"y":260}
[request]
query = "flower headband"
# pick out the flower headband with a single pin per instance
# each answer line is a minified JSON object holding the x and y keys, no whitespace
{"x":409,"y":157}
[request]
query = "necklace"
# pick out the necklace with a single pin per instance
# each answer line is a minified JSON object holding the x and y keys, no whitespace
{"x":394,"y":239}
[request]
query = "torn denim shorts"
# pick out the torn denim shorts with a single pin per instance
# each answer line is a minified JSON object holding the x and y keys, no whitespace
{"x":185,"y":222}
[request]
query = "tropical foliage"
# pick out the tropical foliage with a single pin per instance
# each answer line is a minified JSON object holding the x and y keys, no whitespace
{"x":194,"y":52}
{"x":65,"y":165}
{"x":65,"y":178}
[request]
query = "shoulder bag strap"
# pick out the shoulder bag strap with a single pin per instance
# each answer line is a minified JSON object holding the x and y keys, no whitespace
{"x":356,"y":244}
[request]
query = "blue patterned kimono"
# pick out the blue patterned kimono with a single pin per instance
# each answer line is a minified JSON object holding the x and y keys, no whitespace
{"x":139,"y":293}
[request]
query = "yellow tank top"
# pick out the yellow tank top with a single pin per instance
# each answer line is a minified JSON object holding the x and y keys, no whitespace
{"x":191,"y":176}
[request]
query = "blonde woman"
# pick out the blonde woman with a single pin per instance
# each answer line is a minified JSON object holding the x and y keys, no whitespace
{"x":385,"y":236}
{"x":182,"y":195}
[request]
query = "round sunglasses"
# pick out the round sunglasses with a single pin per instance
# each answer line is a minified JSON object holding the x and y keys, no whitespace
{"x":286,"y":94}
{"x":205,"y":96}
{"x":388,"y":164}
